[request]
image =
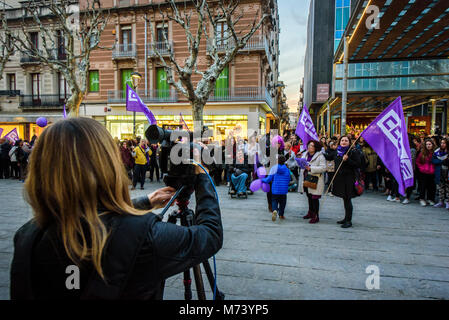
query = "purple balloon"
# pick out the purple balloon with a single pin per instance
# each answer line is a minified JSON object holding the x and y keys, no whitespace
{"x":41,"y":122}
{"x":262,"y":172}
{"x":255,"y":185}
{"x":265,"y":187}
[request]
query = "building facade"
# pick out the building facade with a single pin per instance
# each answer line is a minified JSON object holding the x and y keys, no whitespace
{"x":245,"y":97}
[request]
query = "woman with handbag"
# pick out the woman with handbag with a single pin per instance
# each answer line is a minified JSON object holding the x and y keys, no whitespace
{"x":313,"y":184}
{"x":345,"y":179}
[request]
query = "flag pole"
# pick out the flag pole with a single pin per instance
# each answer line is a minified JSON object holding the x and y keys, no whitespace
{"x":339,"y":167}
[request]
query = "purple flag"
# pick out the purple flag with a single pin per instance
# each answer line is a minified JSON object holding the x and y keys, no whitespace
{"x":387,"y":135}
{"x":183,"y":123}
{"x":12,"y":136}
{"x":65,"y":113}
{"x":305,"y":129}
{"x":1,"y":131}
{"x":134,"y":103}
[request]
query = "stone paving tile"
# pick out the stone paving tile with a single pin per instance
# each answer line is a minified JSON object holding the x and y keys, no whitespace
{"x":292,"y":259}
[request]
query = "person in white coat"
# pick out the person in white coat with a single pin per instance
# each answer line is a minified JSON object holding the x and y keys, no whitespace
{"x":316,"y":167}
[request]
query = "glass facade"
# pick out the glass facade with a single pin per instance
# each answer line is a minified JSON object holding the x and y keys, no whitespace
{"x":397,"y":75}
{"x":342,"y":14}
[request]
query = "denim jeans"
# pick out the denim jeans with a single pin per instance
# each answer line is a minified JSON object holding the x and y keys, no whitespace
{"x":278,"y":202}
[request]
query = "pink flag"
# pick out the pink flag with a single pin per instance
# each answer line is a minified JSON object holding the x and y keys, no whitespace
{"x":12,"y":135}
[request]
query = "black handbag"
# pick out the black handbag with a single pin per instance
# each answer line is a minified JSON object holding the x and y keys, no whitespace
{"x":311,"y":182}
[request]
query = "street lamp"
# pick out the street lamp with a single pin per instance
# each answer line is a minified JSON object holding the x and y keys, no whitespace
{"x":135,"y":79}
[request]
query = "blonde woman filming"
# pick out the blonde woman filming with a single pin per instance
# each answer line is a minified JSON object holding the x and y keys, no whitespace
{"x":85,"y":220}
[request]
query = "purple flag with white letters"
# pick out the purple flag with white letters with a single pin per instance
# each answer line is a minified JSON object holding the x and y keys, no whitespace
{"x":387,"y":135}
{"x":305,"y":129}
{"x":134,"y":103}
{"x":12,"y":136}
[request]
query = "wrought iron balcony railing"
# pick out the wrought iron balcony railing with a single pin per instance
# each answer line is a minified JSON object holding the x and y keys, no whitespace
{"x":161,"y":46}
{"x":124,"y":51}
{"x":43,"y":101}
{"x":10,"y":93}
{"x":152,"y":96}
{"x":246,"y":94}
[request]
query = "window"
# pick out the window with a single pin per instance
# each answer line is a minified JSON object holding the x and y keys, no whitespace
{"x":222,"y":84}
{"x":94,"y":81}
{"x":126,"y":38}
{"x":62,"y":88}
{"x":126,"y":80}
{"x":222,"y":33}
{"x":11,"y":81}
{"x":162,"y":86}
{"x":35,"y":87}
{"x":342,"y":14}
{"x":61,"y":45}
{"x":34,"y":38}
{"x":161,"y":31}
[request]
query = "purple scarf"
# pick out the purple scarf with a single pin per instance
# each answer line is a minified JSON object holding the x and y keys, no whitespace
{"x":342,"y":150}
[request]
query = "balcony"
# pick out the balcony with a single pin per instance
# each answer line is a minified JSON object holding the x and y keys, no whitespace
{"x":152,"y":96}
{"x":10,"y":93}
{"x":44,"y":101}
{"x":58,"y":55}
{"x":255,"y":43}
{"x":27,"y":58}
{"x":248,"y":94}
{"x":124,"y":51}
{"x":161,"y":46}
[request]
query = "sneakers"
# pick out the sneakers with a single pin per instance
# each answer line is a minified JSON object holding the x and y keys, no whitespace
{"x":274,"y":215}
{"x":397,"y":200}
{"x":431,"y":203}
{"x":406,"y":201}
{"x":390,"y":198}
{"x":439,"y":205}
{"x":423,"y":203}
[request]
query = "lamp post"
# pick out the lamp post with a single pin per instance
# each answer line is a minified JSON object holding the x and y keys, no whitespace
{"x":135,"y":78}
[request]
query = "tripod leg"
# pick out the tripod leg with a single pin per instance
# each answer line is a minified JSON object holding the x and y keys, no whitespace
{"x":210,"y":276}
{"x":199,"y":283}
{"x":187,"y":286}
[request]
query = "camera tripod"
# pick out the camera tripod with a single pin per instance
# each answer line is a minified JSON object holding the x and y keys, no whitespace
{"x":187,"y":219}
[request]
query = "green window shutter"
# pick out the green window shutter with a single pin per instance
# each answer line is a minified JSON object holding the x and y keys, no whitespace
{"x":94,"y":81}
{"x":126,"y":80}
{"x":162,"y":86}
{"x":222,"y":84}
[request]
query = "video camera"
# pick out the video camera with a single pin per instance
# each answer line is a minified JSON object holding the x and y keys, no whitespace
{"x":182,"y":174}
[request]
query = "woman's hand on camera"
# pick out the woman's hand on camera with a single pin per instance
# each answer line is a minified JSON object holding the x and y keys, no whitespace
{"x":161,"y":197}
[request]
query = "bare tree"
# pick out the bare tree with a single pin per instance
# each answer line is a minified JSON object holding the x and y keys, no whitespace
{"x":69,"y":33}
{"x":6,"y":48}
{"x":209,"y":13}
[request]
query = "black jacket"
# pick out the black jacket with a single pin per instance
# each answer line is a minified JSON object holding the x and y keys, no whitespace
{"x":140,"y":254}
{"x":343,"y":185}
{"x":4,"y":150}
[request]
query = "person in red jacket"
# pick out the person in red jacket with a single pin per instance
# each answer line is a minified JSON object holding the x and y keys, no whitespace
{"x":426,"y":169}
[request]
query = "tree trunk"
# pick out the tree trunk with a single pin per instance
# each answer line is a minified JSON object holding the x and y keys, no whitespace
{"x":197,"y":111}
{"x":73,"y":104}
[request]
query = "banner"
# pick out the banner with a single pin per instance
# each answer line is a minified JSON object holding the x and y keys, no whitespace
{"x":1,"y":131}
{"x":305,"y":128}
{"x":134,"y":103}
{"x":183,"y":123}
{"x":12,"y":136}
{"x":387,"y":135}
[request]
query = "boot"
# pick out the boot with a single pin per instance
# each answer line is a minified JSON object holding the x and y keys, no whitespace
{"x":308,"y":216}
{"x":315,"y":219}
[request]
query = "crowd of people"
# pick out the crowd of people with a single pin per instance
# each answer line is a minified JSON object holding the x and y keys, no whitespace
{"x":334,"y":164}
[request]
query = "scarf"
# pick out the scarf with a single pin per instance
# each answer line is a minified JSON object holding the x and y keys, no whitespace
{"x":341,"y":151}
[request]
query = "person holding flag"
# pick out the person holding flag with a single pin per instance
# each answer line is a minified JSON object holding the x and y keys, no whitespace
{"x":305,"y":128}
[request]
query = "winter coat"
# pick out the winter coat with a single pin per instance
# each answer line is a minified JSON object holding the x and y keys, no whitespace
{"x":318,"y":168}
{"x":280,"y":175}
{"x":437,"y":165}
{"x":141,"y":252}
{"x":13,"y":154}
{"x":370,"y":159}
{"x":4,"y":150}
{"x":127,"y":158}
{"x":426,"y":166}
{"x":343,"y":186}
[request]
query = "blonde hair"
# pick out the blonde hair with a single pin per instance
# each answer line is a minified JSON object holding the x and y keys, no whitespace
{"x":75,"y":167}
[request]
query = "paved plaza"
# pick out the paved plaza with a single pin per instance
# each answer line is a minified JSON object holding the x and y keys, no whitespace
{"x":292,"y":259}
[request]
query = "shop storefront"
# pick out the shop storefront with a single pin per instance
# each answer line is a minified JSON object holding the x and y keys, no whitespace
{"x":221,"y":125}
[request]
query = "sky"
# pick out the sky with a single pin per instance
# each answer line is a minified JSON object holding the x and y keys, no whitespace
{"x":293,"y":38}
